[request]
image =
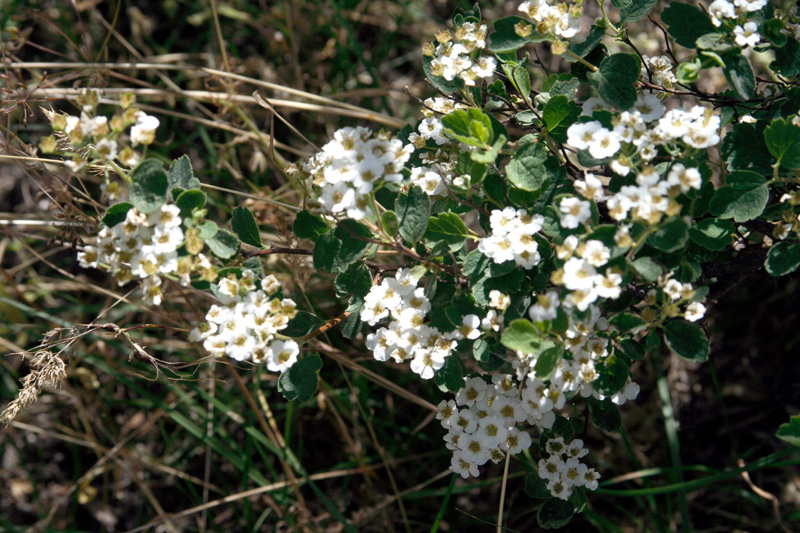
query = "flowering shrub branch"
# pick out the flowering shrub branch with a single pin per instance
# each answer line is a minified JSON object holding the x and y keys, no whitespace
{"x":524,"y":244}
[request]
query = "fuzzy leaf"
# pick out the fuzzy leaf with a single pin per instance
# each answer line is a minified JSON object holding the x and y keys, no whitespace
{"x":308,"y":226}
{"x":614,"y":80}
{"x":148,"y":191}
{"x":783,"y":258}
{"x":116,"y":214}
{"x":686,"y":340}
{"x":245,"y":226}
{"x":413,"y":210}
{"x":299,"y":382}
{"x":686,"y":23}
{"x":447,"y":227}
{"x":224,"y":244}
{"x":783,"y":141}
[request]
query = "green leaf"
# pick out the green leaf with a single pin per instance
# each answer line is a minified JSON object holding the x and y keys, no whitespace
{"x":521,"y":335}
{"x":522,"y":79}
{"x":447,"y":227}
{"x":712,"y":233}
{"x":790,"y":432}
{"x":325,"y":250}
{"x":636,"y":10}
{"x":475,"y":265}
{"x":451,"y":375}
{"x":559,"y":113}
{"x":686,"y":340}
{"x":445,"y":86}
{"x":547,"y":361}
{"x":739,"y":74}
{"x":647,"y":268}
{"x":633,"y":349}
{"x":555,"y":513}
{"x":208,"y":229}
{"x":613,"y":373}
{"x":743,"y":197}
{"x":716,"y":42}
{"x":505,"y":38}
{"x":614,"y":80}
{"x":487,"y":157}
{"x":626,"y":321}
{"x":671,"y":237}
{"x":565,"y":84}
{"x":596,"y":35}
{"x":783,"y":141}
{"x":356,"y":281}
{"x":390,"y":222}
{"x":181,"y":175}
{"x":308,"y":226}
{"x":299,"y":381}
{"x":787,"y":59}
{"x":148,"y":191}
{"x":536,"y":487}
{"x":771,"y":30}
{"x":352,"y":324}
{"x":526,"y":170}
{"x":354,"y":245}
{"x":189,"y":200}
{"x":744,"y":148}
{"x":783,"y":258}
{"x":302,"y":324}
{"x":224,"y":244}
{"x":413,"y":210}
{"x":686,"y":23}
{"x":116,"y":214}
{"x":470,"y":126}
{"x":605,"y":414}
{"x":245,"y":226}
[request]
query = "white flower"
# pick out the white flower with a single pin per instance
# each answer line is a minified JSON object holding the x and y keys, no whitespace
{"x":581,"y":134}
{"x":721,"y":9}
{"x":747,"y":35}
{"x":281,"y":355}
{"x":107,"y":148}
{"x":604,"y":144}
{"x":574,"y":212}
{"x":590,"y":187}
{"x":579,"y":274}
{"x":695,"y":311}
{"x":144,"y":130}
{"x":649,"y":107}
{"x":545,"y":308}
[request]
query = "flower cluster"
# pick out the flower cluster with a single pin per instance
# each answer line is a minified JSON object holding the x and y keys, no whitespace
{"x":637,"y":134}
{"x":96,"y":140}
{"x":457,"y":56}
{"x":244,"y":325}
{"x":653,"y":195}
{"x":481,"y":423}
{"x":722,"y":10}
{"x":145,"y":246}
{"x":670,"y":297}
{"x":552,"y":17}
{"x":438,"y":174}
{"x":580,"y":274}
{"x":563,"y":470}
{"x":352,"y":165}
{"x":512,"y":237}
{"x":658,"y":71}
{"x":576,"y":372}
{"x":407,"y":337}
